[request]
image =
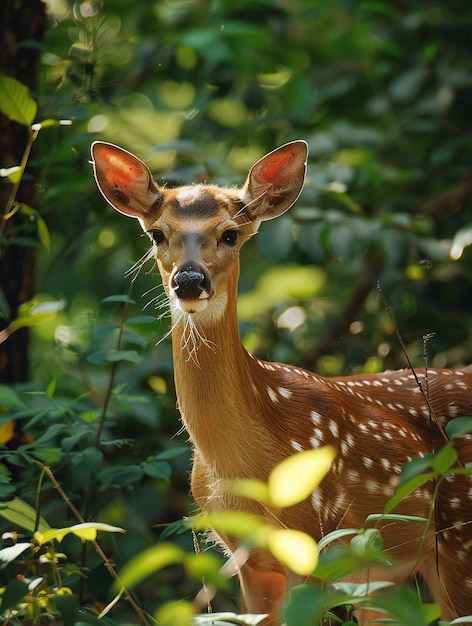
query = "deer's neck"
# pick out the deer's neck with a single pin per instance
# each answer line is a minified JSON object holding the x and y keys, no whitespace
{"x":217,"y":394}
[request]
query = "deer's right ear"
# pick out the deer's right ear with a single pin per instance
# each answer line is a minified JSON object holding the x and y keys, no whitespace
{"x":124,"y":180}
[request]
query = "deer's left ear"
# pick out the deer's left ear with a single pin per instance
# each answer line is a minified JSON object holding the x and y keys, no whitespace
{"x":275,"y":181}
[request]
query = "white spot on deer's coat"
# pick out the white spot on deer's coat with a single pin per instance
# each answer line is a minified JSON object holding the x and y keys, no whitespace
{"x":319,"y":434}
{"x":315,"y":418}
{"x":285,"y":393}
{"x":316,"y":500}
{"x":340,"y":501}
{"x":353,"y":476}
{"x":350,"y":440}
{"x":453,"y":411}
{"x":272,"y":395}
{"x":334,"y":428}
{"x":296,"y":446}
{"x":372,"y":486}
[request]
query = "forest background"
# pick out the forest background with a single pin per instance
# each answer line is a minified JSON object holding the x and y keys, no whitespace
{"x":382,"y":93}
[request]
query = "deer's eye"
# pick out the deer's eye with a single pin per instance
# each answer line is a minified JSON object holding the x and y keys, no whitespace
{"x":230,"y":236}
{"x":157,"y":236}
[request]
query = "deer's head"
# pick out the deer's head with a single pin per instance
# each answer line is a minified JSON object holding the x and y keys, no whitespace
{"x":197,"y":230}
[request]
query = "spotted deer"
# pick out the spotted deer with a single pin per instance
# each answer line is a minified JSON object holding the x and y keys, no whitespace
{"x":245,"y":415}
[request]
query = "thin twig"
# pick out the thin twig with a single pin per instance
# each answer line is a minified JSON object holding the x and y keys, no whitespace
{"x":106,"y":561}
{"x":432,"y":413}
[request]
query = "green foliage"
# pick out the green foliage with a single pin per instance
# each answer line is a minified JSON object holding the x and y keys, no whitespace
{"x":381,"y":92}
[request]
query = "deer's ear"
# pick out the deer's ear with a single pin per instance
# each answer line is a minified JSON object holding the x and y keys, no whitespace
{"x":124,"y":180}
{"x":275,"y":181}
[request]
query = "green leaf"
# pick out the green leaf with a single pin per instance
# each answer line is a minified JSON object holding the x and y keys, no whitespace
{"x":22,"y":514}
{"x":124,"y":355}
{"x":149,"y":562}
{"x":16,"y":102}
{"x":405,"y":489}
{"x":305,"y":605}
{"x":43,"y":232}
{"x":367,"y":545}
{"x":171,"y":453}
{"x":377,"y":517}
{"x":459,"y":426}
{"x":9,"y":399}
{"x":297,"y":477}
{"x":178,"y":613}
{"x":205,"y":566}
{"x":139,"y":320}
{"x":68,"y":606}
{"x":158,"y":469}
{"x":35,"y":312}
{"x":123,"y":298}
{"x":14,"y":592}
{"x":118,"y":476}
{"x":405,"y":605}
{"x":335,"y":535}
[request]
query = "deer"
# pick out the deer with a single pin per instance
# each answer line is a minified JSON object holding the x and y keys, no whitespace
{"x":244,"y":415}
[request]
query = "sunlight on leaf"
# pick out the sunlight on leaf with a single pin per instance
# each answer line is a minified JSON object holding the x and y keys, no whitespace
{"x":86,"y":532}
{"x":22,"y":514}
{"x":250,"y":488}
{"x":340,"y":533}
{"x":297,"y":477}
{"x":36,"y":311}
{"x":12,"y":173}
{"x":176,"y":613}
{"x":237,"y":523}
{"x":149,"y":562}
{"x":16,"y":102}
{"x":461,"y":240}
{"x":12,"y":552}
{"x":225,"y":619}
{"x":295,"y":549}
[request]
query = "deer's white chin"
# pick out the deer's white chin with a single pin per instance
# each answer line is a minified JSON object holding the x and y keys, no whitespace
{"x":205,"y":311}
{"x":192,"y":306}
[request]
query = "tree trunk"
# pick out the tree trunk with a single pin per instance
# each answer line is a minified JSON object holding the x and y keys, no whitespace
{"x":21,"y":22}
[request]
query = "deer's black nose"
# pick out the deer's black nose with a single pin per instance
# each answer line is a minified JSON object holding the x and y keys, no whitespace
{"x":190,"y":282}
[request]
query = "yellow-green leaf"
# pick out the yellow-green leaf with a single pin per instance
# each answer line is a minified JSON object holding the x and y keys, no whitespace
{"x":297,"y":477}
{"x":295,"y":549}
{"x":86,"y":532}
{"x":177,"y":613}
{"x":13,"y":173}
{"x":250,"y":488}
{"x":236,"y":523}
{"x":43,"y":233}
{"x":148,"y":562}
{"x":23,"y":515}
{"x":16,"y":102}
